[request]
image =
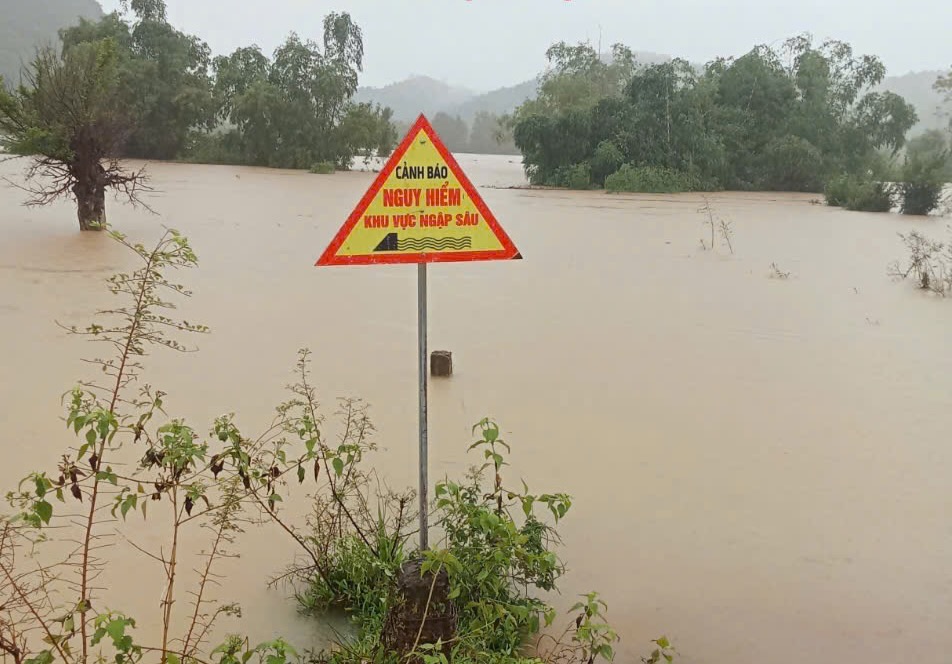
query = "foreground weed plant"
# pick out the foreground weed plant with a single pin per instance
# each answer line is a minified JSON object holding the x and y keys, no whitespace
{"x":133,"y":460}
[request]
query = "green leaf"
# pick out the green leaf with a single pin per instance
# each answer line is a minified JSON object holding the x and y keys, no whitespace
{"x":45,"y":657}
{"x":107,"y":476}
{"x":527,"y":505}
{"x":128,"y":503}
{"x":663,"y":642}
{"x":91,"y":437}
{"x":338,"y":466}
{"x":300,"y":474}
{"x":172,"y":659}
{"x":116,"y":629}
{"x":44,"y":510}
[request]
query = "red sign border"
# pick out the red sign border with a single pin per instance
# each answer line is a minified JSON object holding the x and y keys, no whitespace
{"x":508,"y":251}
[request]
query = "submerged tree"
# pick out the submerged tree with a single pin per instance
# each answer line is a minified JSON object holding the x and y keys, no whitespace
{"x":67,"y":118}
{"x":775,"y":118}
{"x":296,"y":109}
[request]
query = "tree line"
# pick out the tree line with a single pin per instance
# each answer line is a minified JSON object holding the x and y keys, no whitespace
{"x":140,"y":88}
{"x":788,"y":119}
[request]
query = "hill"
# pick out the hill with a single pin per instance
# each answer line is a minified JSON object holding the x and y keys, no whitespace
{"x":916,"y":88}
{"x":28,"y":24}
{"x":497,"y":102}
{"x":419,"y":94}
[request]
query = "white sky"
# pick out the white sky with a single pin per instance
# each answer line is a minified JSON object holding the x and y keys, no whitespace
{"x":484,"y":44}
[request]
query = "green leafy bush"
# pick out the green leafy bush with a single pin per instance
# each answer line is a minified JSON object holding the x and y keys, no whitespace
{"x":652,"y":179}
{"x":607,"y":159}
{"x":323,"y":168}
{"x":869,"y":197}
{"x":792,"y":163}
{"x":576,"y":176}
{"x":838,"y":190}
{"x":858,"y":195}
{"x":922,"y":183}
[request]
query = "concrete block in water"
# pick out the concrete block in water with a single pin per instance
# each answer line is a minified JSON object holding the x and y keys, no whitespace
{"x":441,"y":363}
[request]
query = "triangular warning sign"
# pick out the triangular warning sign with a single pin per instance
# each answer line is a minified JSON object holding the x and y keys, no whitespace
{"x":420,"y":209}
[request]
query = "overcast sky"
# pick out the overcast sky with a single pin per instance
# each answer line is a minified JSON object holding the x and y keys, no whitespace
{"x":485,"y":44}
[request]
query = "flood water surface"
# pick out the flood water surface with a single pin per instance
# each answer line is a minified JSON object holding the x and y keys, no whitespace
{"x":759,"y":465}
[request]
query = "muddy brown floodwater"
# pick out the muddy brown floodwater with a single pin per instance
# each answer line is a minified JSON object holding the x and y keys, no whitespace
{"x":760,"y":466}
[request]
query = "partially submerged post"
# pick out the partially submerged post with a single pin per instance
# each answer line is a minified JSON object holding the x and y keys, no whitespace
{"x":420,"y":613}
{"x":441,"y":364}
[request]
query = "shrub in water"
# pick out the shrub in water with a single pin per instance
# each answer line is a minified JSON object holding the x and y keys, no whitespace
{"x":869,"y":197}
{"x":577,"y":176}
{"x":852,"y":193}
{"x":606,"y":160}
{"x":838,"y":189}
{"x":652,"y":179}
{"x":323,"y":168}
{"x":922,"y":182}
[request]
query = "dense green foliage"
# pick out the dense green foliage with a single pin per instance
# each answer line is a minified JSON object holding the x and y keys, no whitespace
{"x":917,"y":185}
{"x":292,"y":110}
{"x":772,"y":119}
{"x":163,"y":74}
{"x":923,"y":179}
{"x":933,"y":145}
{"x":859,"y":194}
{"x":658,"y":179}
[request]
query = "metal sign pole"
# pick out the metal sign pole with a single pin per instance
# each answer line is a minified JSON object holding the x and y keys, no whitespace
{"x":421,"y":333}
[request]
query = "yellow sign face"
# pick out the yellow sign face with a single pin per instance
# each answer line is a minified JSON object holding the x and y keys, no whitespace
{"x":421,"y":208}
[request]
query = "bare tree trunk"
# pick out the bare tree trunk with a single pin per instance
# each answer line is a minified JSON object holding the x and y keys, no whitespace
{"x":90,"y":191}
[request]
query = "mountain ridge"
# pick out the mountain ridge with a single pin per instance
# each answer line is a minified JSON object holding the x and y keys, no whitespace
{"x":28,"y":24}
{"x":404,"y":97}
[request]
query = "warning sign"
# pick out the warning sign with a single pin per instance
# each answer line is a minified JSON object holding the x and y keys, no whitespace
{"x":421,"y":209}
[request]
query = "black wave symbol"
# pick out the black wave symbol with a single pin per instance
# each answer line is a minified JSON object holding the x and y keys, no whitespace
{"x":434,"y":244}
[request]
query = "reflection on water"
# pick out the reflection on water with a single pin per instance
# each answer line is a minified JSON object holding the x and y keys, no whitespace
{"x":760,"y":466}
